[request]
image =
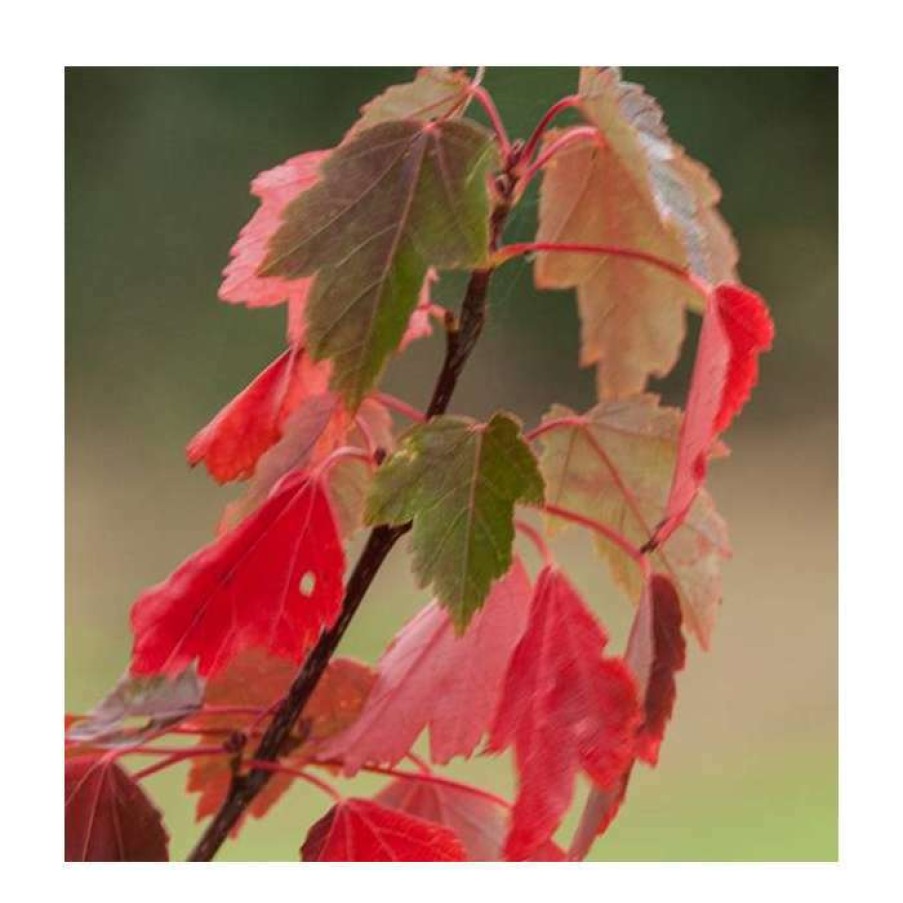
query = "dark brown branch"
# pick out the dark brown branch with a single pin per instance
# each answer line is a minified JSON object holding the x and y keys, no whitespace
{"x":461,"y":341}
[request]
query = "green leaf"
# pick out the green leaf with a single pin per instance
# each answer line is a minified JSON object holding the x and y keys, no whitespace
{"x":458,"y":480}
{"x":435,"y":93}
{"x":391,"y":202}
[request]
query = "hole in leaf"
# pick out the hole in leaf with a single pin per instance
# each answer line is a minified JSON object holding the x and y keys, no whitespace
{"x":308,"y":583}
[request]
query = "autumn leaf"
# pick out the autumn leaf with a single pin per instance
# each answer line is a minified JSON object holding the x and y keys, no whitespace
{"x":357,"y":830}
{"x":159,"y":701}
{"x":615,"y":465}
{"x":736,"y":329}
{"x":564,"y":707}
{"x":274,"y":582}
{"x":232,"y":443}
{"x":320,"y":425}
{"x":436,"y":92}
{"x":676,"y":189}
{"x":479,"y":820}
{"x":391,"y":202}
{"x":458,"y":480}
{"x":108,"y":816}
{"x":276,"y":188}
{"x":630,"y":186}
{"x":257,"y":680}
{"x":656,"y":651}
{"x":430,"y":676}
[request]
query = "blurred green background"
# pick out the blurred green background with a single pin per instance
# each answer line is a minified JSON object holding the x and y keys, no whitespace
{"x":157,"y":169}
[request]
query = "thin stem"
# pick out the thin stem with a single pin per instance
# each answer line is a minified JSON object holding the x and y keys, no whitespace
{"x":346,"y":451}
{"x":205,"y":731}
{"x":518,"y":249}
{"x":537,"y":539}
{"x":578,"y":134}
{"x":429,"y":778}
{"x":400,"y":407}
{"x":566,"y":103}
{"x":168,"y":750}
{"x":549,"y":425}
{"x":382,"y":539}
{"x":421,"y":764}
{"x":366,"y":432}
{"x":280,"y":768}
{"x":611,"y":535}
{"x":483,"y":97}
{"x":228,"y":710}
{"x":174,"y":759}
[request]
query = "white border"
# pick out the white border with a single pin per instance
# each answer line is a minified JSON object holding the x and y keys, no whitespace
{"x":42,"y":40}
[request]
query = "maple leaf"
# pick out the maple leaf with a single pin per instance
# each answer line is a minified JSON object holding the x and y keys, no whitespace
{"x":736,"y":329}
{"x":436,"y":92}
{"x":615,"y":465}
{"x":564,"y":706}
{"x":429,"y":675}
{"x":232,"y":443}
{"x":630,"y":187}
{"x":255,"y":679}
{"x":357,"y":830}
{"x":391,"y":202}
{"x":318,"y":426}
{"x":479,"y":820}
{"x":242,"y":284}
{"x":274,"y":582}
{"x":159,"y":700}
{"x":458,"y":480}
{"x":109,"y":818}
{"x":276,"y":188}
{"x":656,"y":651}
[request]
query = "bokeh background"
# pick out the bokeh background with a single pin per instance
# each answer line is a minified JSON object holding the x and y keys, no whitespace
{"x":157,"y":169}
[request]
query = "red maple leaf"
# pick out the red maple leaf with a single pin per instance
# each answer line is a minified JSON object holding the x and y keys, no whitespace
{"x":232,"y":443}
{"x":564,"y":707}
{"x":736,"y":329}
{"x":357,"y":830}
{"x":109,"y":817}
{"x":430,"y":675}
{"x":656,"y":651}
{"x":479,"y":820}
{"x":274,"y":582}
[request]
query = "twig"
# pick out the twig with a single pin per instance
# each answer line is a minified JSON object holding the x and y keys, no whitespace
{"x":380,"y":542}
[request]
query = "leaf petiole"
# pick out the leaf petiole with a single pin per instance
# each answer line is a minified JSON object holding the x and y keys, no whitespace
{"x":518,"y":249}
{"x":566,"y":103}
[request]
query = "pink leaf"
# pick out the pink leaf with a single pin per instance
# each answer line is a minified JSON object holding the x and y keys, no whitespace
{"x":736,"y":328}
{"x":656,"y":651}
{"x":479,"y":820}
{"x":276,"y":188}
{"x":431,"y":676}
{"x":420,"y":325}
{"x":274,"y":582}
{"x":231,"y":444}
{"x":564,"y":707}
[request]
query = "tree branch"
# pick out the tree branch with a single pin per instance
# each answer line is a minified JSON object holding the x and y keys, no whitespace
{"x":461,"y":341}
